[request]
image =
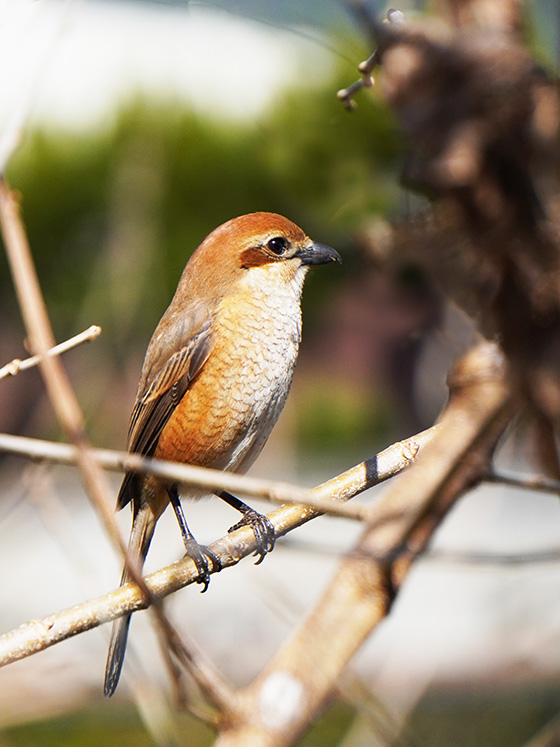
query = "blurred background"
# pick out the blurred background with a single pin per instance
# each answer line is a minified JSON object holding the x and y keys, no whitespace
{"x":147,"y":125}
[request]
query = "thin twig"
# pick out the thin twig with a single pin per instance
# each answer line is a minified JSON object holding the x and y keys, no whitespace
{"x":14,"y":367}
{"x":493,"y":559}
{"x":524,"y":482}
{"x":41,"y":340}
{"x":346,"y":95}
{"x":442,"y":556}
{"x":212,"y":686}
{"x":373,"y":471}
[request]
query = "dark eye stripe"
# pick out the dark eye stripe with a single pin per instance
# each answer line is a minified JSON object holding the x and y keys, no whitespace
{"x":255,"y":257}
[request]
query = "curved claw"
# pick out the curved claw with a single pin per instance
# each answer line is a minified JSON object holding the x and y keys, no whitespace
{"x":205,"y":560}
{"x":262,"y":529}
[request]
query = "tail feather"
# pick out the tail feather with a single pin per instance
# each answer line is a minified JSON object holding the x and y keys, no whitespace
{"x":139,"y":543}
{"x":115,"y":656}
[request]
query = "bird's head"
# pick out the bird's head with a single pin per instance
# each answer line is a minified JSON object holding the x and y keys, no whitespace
{"x":258,"y":245}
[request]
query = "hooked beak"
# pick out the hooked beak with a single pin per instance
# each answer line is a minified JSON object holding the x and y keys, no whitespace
{"x":317,"y":254}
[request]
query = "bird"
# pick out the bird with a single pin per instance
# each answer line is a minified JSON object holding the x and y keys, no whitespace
{"x":214,"y":380}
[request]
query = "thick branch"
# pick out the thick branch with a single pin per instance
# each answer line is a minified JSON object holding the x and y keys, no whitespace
{"x":282,"y":701}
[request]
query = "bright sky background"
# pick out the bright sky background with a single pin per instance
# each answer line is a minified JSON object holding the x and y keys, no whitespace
{"x":70,"y":61}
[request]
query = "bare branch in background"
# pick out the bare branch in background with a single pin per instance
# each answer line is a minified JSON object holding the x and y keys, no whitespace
{"x":482,"y":121}
{"x":525,"y":482}
{"x":366,"y":68}
{"x":41,"y":340}
{"x":14,"y":367}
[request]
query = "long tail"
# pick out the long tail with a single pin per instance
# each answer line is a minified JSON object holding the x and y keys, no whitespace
{"x":139,"y":543}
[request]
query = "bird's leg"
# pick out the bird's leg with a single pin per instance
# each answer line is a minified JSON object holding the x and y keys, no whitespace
{"x":259,"y":523}
{"x":204,"y":559}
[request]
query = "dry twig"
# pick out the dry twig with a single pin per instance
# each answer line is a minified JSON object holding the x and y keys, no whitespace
{"x":366,"y":68}
{"x":525,"y":482}
{"x":14,"y":367}
{"x":41,"y":340}
{"x":373,"y":471}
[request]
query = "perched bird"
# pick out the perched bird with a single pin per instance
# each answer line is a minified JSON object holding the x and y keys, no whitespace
{"x":215,"y":378}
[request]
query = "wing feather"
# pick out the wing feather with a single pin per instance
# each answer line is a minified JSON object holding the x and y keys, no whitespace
{"x":156,"y":404}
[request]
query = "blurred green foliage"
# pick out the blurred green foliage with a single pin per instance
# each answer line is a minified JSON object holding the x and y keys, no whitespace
{"x":344,"y":420}
{"x":499,"y":717}
{"x":106,"y":724}
{"x":176,"y":175}
{"x":118,"y":726}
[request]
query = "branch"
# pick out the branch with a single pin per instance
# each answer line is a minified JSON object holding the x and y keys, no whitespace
{"x":17,"y":365}
{"x":527,"y":482}
{"x":394,"y":17}
{"x":373,"y":471}
{"x":37,"y":635}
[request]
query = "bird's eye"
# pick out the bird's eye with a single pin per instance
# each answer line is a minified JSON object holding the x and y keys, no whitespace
{"x":277,"y":245}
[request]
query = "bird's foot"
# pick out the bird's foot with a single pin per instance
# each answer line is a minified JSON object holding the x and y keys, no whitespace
{"x":262,"y":529}
{"x":206,"y":561}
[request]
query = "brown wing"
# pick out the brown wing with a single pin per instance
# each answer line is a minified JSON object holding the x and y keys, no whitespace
{"x":155,"y":405}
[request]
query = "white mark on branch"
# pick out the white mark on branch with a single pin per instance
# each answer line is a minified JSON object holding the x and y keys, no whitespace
{"x":281,"y":700}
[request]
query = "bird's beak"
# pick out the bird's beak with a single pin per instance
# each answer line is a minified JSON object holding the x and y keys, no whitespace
{"x":317,"y":254}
